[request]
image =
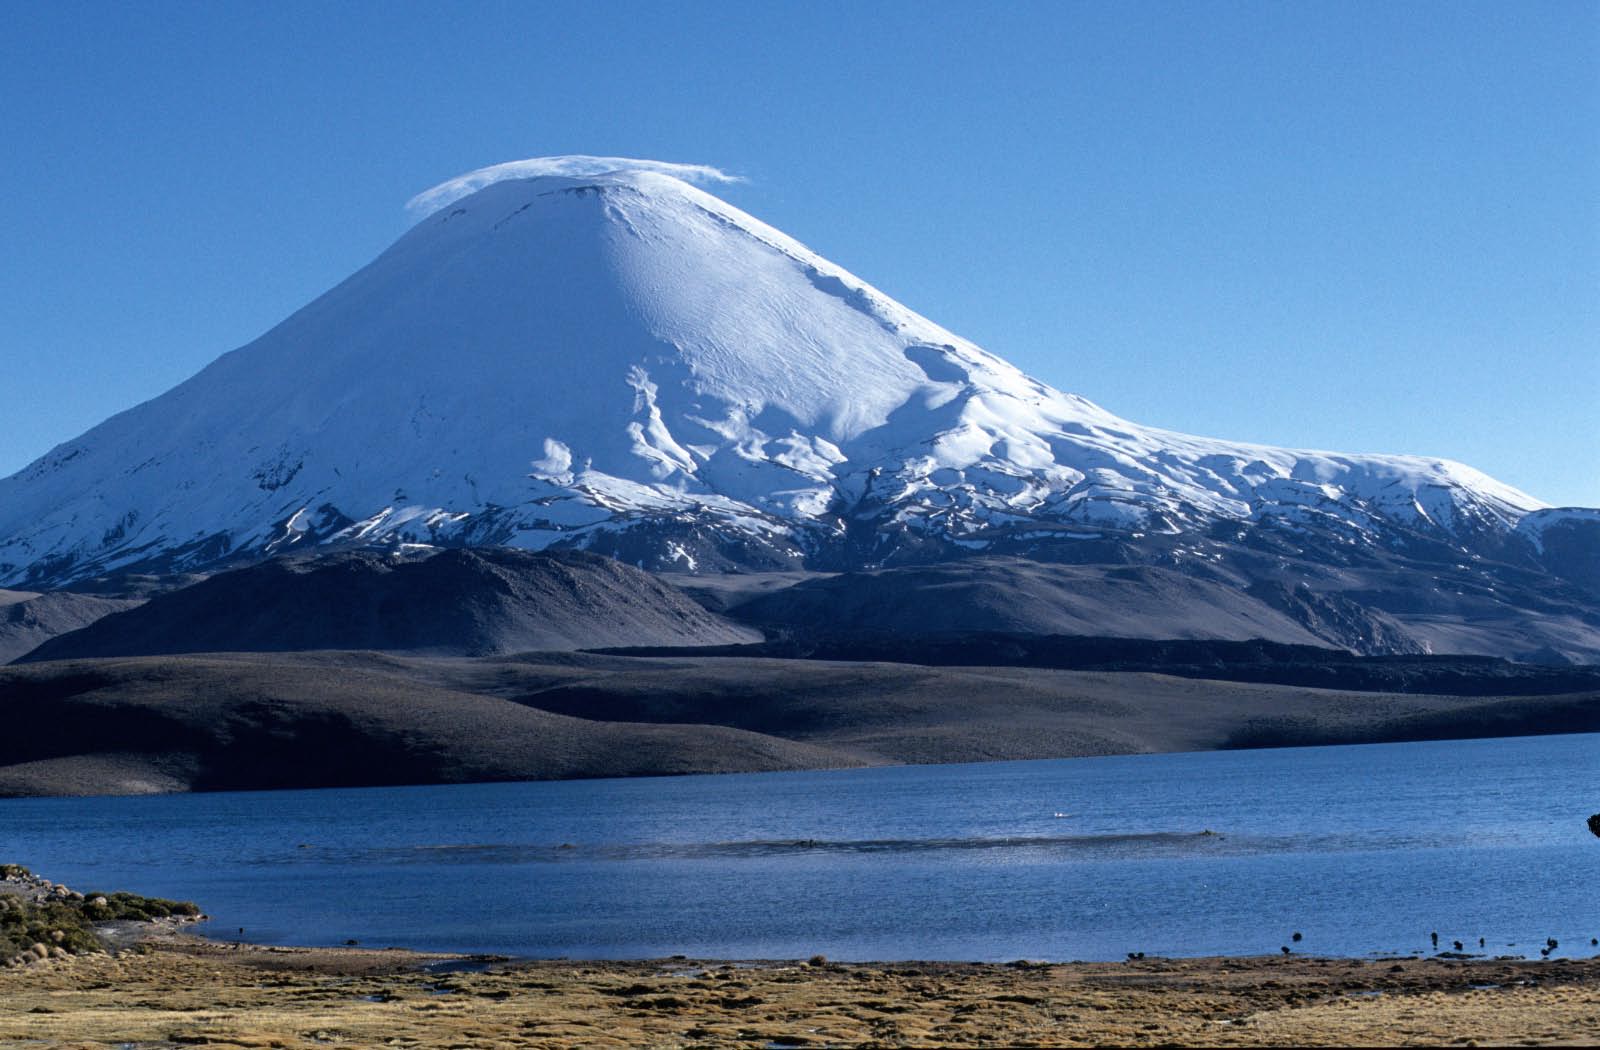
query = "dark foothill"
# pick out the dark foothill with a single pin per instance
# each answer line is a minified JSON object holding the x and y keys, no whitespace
{"x":489,"y":600}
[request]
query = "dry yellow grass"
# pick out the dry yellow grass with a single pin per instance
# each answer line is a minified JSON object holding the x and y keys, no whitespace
{"x":181,"y":991}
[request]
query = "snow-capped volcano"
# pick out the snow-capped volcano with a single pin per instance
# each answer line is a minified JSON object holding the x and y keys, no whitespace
{"x":613,"y":358}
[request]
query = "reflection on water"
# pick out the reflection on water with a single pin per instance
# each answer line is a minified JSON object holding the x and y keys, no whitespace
{"x":1366,"y":850}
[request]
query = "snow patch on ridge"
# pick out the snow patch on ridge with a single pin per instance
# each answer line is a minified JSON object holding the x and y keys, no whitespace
{"x":1535,"y":525}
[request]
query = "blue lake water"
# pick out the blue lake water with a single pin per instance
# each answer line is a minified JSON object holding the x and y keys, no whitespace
{"x":1364,"y":850}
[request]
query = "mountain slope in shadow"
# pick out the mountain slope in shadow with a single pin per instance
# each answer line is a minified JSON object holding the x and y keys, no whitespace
{"x":452,"y":602}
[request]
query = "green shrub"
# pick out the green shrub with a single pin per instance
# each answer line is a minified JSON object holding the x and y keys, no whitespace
{"x":133,"y":906}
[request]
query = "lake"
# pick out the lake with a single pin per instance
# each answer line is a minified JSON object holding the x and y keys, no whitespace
{"x":1363,"y":850}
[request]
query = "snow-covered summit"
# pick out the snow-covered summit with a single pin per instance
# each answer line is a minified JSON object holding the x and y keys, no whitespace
{"x":571,"y":350}
{"x":577,"y":166}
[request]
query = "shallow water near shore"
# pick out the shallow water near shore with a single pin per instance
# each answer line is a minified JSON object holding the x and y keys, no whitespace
{"x":1363,"y":850}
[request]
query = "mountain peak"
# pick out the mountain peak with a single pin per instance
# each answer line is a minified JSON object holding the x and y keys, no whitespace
{"x":576,"y":166}
{"x":593,"y":352}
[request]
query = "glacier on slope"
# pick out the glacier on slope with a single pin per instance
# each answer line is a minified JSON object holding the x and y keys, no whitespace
{"x":568,"y":360}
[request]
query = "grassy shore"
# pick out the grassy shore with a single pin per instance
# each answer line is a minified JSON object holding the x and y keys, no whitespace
{"x":175,"y":990}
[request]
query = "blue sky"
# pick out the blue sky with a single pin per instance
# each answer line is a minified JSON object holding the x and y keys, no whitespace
{"x":1369,"y":227}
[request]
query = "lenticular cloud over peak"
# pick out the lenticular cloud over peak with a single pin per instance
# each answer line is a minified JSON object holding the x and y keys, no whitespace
{"x":574,"y":166}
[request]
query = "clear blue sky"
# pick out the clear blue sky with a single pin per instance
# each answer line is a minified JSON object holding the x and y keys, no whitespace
{"x":1353,"y":226}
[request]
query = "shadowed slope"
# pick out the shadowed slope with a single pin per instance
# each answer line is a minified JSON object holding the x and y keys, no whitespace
{"x":1014,"y":595}
{"x":28,"y":620}
{"x":247,"y":722}
{"x":341,"y":718}
{"x":465,"y":602}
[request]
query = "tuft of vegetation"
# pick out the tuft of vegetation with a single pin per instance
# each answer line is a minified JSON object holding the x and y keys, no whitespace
{"x":14,"y":871}
{"x":104,"y":907}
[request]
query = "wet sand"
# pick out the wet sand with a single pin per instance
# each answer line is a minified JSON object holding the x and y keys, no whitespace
{"x":179,"y":990}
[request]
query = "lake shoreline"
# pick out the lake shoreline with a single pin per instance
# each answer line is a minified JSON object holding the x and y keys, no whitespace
{"x":179,"y":988}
